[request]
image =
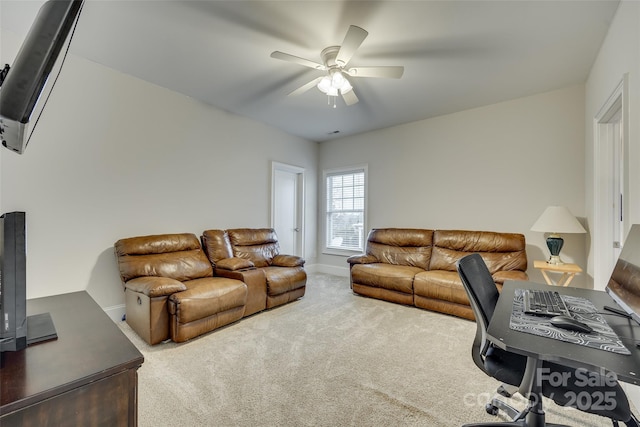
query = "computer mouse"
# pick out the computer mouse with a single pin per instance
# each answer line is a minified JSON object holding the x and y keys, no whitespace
{"x":571,"y":324}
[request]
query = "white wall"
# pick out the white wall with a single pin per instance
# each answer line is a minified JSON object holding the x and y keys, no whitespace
{"x":619,"y":55}
{"x":491,"y":168}
{"x":116,"y":157}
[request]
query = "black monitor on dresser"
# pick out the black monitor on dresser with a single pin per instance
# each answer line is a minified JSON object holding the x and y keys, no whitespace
{"x":17,"y":330}
{"x":13,"y":281}
{"x":624,"y":283}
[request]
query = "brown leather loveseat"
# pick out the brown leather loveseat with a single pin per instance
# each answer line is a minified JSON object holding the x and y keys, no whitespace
{"x":170,"y":291}
{"x":253,"y":256}
{"x":417,"y":266}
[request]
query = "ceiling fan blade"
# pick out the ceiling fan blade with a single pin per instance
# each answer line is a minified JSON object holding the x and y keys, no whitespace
{"x":297,"y":60}
{"x":352,"y":41}
{"x":302,"y":89}
{"x":350,"y":97}
{"x":391,"y":72}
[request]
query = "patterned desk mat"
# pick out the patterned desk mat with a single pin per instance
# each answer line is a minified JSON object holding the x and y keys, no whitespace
{"x":602,"y":337}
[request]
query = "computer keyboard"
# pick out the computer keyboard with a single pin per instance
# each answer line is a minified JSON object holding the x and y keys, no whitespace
{"x":544,"y":303}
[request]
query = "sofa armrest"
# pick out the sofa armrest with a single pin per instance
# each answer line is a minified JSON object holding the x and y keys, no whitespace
{"x":361,"y":259}
{"x":234,"y":264}
{"x":501,"y":276}
{"x":154,"y":286}
{"x":287,"y":261}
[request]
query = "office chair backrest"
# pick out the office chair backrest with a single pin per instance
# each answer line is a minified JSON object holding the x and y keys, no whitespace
{"x":473,"y":270}
{"x":483,"y":296}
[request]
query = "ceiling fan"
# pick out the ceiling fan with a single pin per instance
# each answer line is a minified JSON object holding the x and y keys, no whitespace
{"x":334,"y":61}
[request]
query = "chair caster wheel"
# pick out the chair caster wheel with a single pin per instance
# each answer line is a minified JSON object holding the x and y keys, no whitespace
{"x":502,"y":391}
{"x":491,"y":409}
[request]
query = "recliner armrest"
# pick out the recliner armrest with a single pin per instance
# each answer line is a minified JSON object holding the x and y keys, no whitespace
{"x":287,"y":261}
{"x":362,"y":259}
{"x":154,"y":286}
{"x":234,"y":264}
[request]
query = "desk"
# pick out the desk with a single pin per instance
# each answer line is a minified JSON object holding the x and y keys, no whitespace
{"x":539,"y":348}
{"x":626,"y":367}
{"x":568,"y":272}
{"x":88,"y":376}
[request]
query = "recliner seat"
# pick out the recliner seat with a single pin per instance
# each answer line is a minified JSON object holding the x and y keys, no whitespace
{"x":170,"y":291}
{"x":253,"y":256}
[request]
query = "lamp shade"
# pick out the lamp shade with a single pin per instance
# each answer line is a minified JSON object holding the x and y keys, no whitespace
{"x":557,"y":219}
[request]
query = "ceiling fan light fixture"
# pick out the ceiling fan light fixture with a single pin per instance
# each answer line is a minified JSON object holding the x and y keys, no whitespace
{"x":337,"y":79}
{"x":346,"y":87}
{"x":325,"y":84}
{"x":334,"y":83}
{"x":334,"y":62}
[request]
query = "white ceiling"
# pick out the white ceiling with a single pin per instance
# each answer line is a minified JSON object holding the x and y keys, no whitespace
{"x":457,"y":54}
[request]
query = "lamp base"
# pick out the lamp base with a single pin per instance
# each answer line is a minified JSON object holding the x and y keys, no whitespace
{"x":555,"y":260}
{"x":555,"y":243}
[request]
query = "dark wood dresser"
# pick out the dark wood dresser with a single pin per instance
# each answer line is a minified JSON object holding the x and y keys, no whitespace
{"x":86,"y":377}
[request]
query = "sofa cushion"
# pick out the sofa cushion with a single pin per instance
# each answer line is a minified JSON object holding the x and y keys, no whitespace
{"x":216,"y":245}
{"x":177,"y":256}
{"x":500,"y":251}
{"x":207,"y":296}
{"x":440,"y":285}
{"x":401,"y":246}
{"x":478,"y":241}
{"x":258,"y":245}
{"x":282,"y":280}
{"x":387,"y":276}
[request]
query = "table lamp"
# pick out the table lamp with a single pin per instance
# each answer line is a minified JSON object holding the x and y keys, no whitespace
{"x":555,"y":220}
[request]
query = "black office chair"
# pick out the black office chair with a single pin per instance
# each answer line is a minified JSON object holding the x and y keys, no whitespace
{"x":518,"y":370}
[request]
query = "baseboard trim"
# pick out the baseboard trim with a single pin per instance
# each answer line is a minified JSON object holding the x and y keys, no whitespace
{"x":116,"y":312}
{"x":328,"y":269}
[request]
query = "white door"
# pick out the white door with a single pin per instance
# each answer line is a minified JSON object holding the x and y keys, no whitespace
{"x":287,"y":207}
{"x":610,"y":177}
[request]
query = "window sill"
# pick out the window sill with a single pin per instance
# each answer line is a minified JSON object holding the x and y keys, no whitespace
{"x":341,"y":252}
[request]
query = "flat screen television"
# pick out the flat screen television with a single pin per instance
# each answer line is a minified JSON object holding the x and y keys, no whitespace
{"x":17,"y":330}
{"x":13,"y":281}
{"x":624,"y":283}
{"x":26,"y":85}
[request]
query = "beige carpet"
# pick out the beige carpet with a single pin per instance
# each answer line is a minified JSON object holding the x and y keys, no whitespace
{"x":329,"y":359}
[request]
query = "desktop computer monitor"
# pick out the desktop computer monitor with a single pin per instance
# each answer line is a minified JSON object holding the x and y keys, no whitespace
{"x":624,"y":283}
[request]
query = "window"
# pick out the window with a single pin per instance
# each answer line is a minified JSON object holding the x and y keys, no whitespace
{"x":345,"y":209}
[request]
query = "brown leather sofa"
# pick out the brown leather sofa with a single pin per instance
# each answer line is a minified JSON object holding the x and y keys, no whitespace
{"x":253,"y":256}
{"x":417,"y":266}
{"x":170,"y":291}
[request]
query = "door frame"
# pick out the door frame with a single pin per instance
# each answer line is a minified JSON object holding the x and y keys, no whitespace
{"x":603,"y":158}
{"x":300,"y":202}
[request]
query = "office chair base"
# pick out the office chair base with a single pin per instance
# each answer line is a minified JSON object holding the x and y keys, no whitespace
{"x":521,"y":423}
{"x":497,"y":405}
{"x":507,"y":390}
{"x":633,"y":422}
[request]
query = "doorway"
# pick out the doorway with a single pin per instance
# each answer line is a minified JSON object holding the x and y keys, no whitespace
{"x":287,"y":207}
{"x":611,"y":182}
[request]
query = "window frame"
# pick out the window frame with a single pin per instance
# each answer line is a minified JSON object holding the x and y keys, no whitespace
{"x":326,"y":173}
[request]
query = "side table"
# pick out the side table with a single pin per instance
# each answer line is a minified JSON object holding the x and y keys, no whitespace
{"x":568,"y":272}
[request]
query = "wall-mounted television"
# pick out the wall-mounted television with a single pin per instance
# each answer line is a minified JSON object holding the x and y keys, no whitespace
{"x":25,"y":85}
